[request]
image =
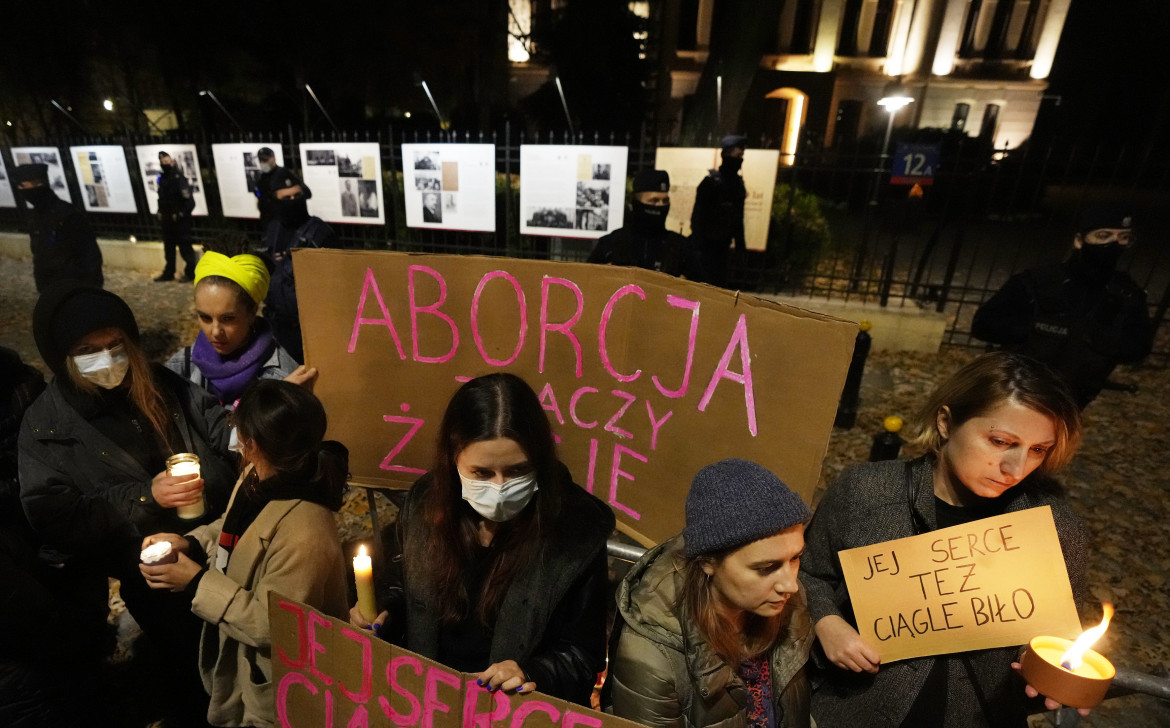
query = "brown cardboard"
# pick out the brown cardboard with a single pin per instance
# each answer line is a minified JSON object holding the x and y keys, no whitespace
{"x":638,"y":412}
{"x":996,"y":582}
{"x":328,"y":673}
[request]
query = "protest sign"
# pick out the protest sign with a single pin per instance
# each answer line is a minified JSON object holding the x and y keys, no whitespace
{"x":645,"y":377}
{"x":995,"y":582}
{"x":687,"y":168}
{"x":328,"y":673}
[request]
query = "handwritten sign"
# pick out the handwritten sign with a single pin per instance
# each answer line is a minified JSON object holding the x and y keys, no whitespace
{"x":327,"y":673}
{"x":645,"y":377}
{"x":996,"y":582}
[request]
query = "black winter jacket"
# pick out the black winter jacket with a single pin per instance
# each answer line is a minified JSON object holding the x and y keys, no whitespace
{"x":63,"y":246}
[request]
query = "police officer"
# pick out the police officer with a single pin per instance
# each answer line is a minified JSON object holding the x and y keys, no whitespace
{"x":1081,"y":317}
{"x":175,"y":203}
{"x":644,"y":240}
{"x":717,"y":217}
{"x":276,"y":183}
{"x":63,"y":246}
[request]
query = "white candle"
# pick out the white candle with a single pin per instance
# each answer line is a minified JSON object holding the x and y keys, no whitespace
{"x":363,"y":576}
{"x":186,"y":465}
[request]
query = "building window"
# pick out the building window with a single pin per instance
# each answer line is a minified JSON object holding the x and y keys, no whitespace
{"x":688,"y":25}
{"x":990,"y":121}
{"x":969,"y":46}
{"x":959,"y":116}
{"x":847,"y":123}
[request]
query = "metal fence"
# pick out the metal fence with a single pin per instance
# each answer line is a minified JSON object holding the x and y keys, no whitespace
{"x":988,"y":214}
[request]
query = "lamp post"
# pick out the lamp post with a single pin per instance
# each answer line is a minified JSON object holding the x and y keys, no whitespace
{"x":222,"y":108}
{"x":894,"y":97}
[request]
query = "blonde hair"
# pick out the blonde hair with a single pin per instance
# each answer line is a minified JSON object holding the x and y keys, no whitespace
{"x":144,"y":393}
{"x":732,"y":642}
{"x":992,"y":379}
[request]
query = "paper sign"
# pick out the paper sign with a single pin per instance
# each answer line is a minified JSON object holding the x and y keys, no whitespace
{"x":995,"y":582}
{"x":51,"y":157}
{"x":237,"y":170}
{"x":572,"y":191}
{"x":687,"y":168}
{"x":7,"y":196}
{"x":187,"y":159}
{"x":450,"y":186}
{"x":346,"y":180}
{"x":104,"y":178}
{"x":327,"y":673}
{"x":645,"y":377}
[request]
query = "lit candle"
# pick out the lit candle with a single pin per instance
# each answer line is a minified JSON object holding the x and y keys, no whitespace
{"x":186,"y":463}
{"x":363,"y":576}
{"x":1069,"y":672}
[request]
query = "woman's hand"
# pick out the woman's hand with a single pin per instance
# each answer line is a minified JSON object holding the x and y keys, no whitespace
{"x":506,"y":676}
{"x":1049,"y":703}
{"x":177,"y":542}
{"x":844,"y":646}
{"x":357,"y":619}
{"x":172,"y":491}
{"x":304,"y":375}
{"x":174,"y":577}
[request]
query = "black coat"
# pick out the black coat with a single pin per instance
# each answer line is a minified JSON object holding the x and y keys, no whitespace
{"x":272,"y":182}
{"x":668,"y":252}
{"x":63,"y":246}
{"x":175,"y":201}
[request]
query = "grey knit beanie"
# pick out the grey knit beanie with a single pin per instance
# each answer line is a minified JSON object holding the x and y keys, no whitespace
{"x":734,"y":502}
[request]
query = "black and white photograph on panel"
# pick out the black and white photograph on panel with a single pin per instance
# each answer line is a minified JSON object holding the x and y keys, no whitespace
{"x":427,"y":181}
{"x":550,"y":217}
{"x":367,"y":198}
{"x":348,"y":166}
{"x":432,"y":207}
{"x":427,"y":160}
{"x":320,"y":158}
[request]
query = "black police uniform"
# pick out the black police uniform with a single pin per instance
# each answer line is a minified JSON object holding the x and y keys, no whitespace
{"x":175,"y":203}
{"x":63,"y":245}
{"x":717,"y":221}
{"x":269,"y":184}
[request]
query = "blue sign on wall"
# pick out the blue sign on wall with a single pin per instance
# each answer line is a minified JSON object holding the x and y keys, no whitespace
{"x":914,"y":164}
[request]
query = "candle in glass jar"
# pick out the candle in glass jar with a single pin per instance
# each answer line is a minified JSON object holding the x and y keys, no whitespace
{"x":363,"y":576}
{"x":186,"y":463}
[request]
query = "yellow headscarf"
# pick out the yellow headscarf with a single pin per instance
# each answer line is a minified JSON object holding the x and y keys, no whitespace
{"x":246,"y":270}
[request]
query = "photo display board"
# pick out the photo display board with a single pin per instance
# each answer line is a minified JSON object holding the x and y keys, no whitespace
{"x":188,"y":160}
{"x":104,"y":178}
{"x":346,"y":180}
{"x":7,"y":195}
{"x":51,"y":157}
{"x":395,"y":334}
{"x":450,"y":186}
{"x":687,"y":168}
{"x":236,"y":171}
{"x":572,"y":191}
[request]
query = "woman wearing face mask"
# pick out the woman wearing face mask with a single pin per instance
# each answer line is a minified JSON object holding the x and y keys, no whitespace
{"x":92,"y":452}
{"x":278,"y":534}
{"x":993,"y":433}
{"x":234,"y":346}
{"x":503,"y":567}
{"x":714,"y":630}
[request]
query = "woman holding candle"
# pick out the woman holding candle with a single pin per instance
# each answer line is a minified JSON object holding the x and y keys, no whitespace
{"x":503,"y":569}
{"x":234,"y":346}
{"x":993,"y":433}
{"x":713,"y":628}
{"x":278,"y":534}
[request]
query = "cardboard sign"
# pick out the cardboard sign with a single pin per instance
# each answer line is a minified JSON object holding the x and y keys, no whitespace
{"x":104,"y":178}
{"x":187,"y":159}
{"x":687,"y":168}
{"x":327,"y":673}
{"x":450,"y":186}
{"x":50,"y":157}
{"x":237,"y":170}
{"x":996,"y":582}
{"x":645,"y":377}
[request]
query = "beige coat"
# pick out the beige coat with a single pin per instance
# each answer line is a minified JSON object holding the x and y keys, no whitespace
{"x":292,"y":548}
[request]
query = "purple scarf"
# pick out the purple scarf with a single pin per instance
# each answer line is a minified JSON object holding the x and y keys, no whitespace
{"x":228,"y":376}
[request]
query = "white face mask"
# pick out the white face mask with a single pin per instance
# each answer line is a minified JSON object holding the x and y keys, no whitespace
{"x":106,"y":368}
{"x":267,"y":167}
{"x":502,"y":502}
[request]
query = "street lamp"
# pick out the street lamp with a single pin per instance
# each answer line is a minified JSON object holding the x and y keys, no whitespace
{"x":894,"y":97}
{"x":108,"y":105}
{"x":222,"y":108}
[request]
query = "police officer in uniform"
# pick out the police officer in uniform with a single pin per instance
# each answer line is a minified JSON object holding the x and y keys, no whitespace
{"x":63,"y":246}
{"x":717,"y":217}
{"x":276,"y":183}
{"x":1081,"y":317}
{"x":175,"y":203}
{"x":644,"y":240}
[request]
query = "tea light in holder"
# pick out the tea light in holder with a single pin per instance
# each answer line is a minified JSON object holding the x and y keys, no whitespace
{"x":186,"y":463}
{"x":1069,"y":672}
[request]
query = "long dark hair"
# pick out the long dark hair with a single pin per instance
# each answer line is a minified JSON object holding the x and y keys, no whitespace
{"x":495,"y":406}
{"x":287,"y":424}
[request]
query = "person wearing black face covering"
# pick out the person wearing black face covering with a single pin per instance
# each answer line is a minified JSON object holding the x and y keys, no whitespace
{"x":717,"y":217}
{"x":175,"y":204}
{"x":275,"y":185}
{"x":63,"y":246}
{"x":644,"y":241}
{"x":291,"y":227}
{"x":1081,"y":317}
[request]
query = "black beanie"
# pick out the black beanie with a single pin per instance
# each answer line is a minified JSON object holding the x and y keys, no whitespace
{"x":68,"y":311}
{"x":163,"y":154}
{"x":734,"y":502}
{"x":1105,"y":215}
{"x":651,"y":180}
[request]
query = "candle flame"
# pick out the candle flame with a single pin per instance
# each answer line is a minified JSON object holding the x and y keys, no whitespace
{"x":1073,"y":658}
{"x":362,"y":550}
